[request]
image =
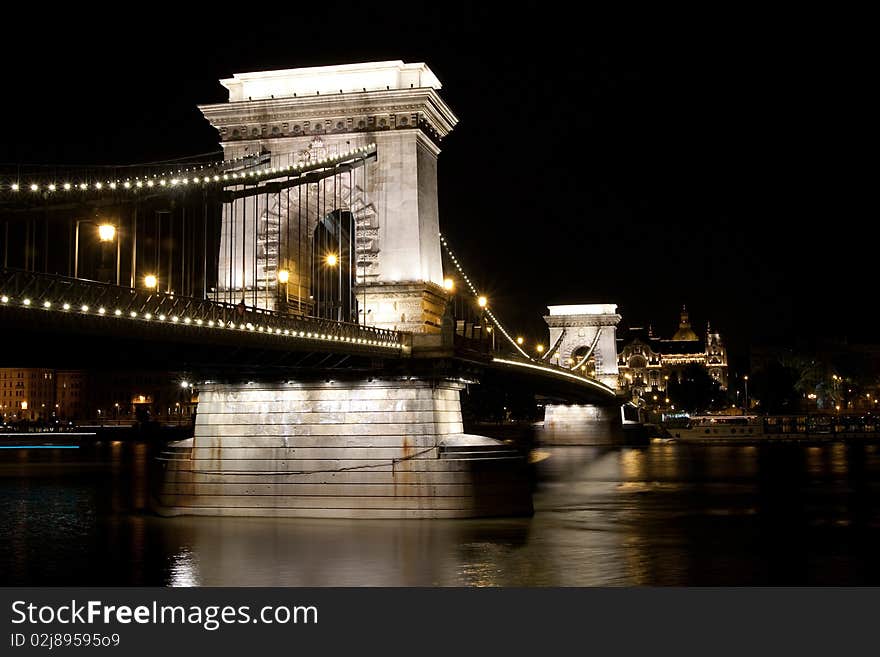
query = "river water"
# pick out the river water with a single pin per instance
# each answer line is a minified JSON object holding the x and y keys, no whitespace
{"x":662,"y":514}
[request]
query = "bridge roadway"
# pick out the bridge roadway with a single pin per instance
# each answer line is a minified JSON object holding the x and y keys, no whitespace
{"x":62,"y":322}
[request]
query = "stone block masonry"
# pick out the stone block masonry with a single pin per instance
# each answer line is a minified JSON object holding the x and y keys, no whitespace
{"x":342,"y":449}
{"x":581,"y":424}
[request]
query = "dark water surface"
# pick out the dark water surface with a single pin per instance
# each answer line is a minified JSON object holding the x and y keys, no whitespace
{"x":657,"y":515}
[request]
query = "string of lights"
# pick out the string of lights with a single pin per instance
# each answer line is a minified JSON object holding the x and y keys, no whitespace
{"x":102,"y":311}
{"x":170,"y":179}
{"x":558,"y":371}
{"x":481,"y":300}
{"x":552,"y":350}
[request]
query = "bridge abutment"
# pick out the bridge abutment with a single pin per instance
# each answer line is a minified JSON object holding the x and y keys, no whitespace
{"x":341,"y":449}
{"x":581,"y":424}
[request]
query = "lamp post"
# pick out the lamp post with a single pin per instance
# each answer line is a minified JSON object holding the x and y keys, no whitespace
{"x":331,"y":260}
{"x":746,"y":379}
{"x":106,"y":233}
{"x":482,"y":302}
{"x":284,"y":279}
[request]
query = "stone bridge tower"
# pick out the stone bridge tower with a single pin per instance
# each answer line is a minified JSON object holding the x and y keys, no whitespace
{"x":585,"y":336}
{"x":299,"y":114}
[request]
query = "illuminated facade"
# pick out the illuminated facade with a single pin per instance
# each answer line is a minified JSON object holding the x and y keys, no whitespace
{"x":26,"y":393}
{"x":35,"y":394}
{"x":647,"y":363}
{"x":584,"y":336}
{"x":306,"y":115}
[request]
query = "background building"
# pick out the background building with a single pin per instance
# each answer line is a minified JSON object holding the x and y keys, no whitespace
{"x":647,"y":363}
{"x":85,"y":397}
{"x":27,"y":393}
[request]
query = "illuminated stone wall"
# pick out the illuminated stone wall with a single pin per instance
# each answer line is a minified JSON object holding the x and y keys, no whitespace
{"x":306,"y":114}
{"x":579,"y":327}
{"x":350,"y":449}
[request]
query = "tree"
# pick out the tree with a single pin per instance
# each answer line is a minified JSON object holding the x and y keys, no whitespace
{"x":776,"y":387}
{"x":696,"y":391}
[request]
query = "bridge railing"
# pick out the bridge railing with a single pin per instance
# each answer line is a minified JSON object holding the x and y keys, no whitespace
{"x":50,"y":292}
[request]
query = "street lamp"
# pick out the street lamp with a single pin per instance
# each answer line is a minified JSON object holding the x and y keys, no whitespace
{"x":482,"y":301}
{"x":331,"y":259}
{"x":540,"y":349}
{"x":448,"y":284}
{"x":284,"y":278}
{"x":746,"y":379}
{"x":150,"y":281}
{"x":519,"y":340}
{"x":106,"y":233}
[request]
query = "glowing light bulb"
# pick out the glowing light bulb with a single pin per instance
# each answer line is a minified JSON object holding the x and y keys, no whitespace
{"x":106,"y":232}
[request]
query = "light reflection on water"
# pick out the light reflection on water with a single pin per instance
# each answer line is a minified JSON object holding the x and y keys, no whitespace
{"x":657,"y":515}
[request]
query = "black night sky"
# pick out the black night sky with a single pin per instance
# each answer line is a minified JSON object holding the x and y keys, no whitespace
{"x":593,"y":161}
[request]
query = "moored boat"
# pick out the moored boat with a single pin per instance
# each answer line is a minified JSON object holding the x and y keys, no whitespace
{"x":719,"y":428}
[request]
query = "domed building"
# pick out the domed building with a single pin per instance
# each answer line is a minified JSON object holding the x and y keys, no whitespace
{"x":685,"y":333}
{"x":647,"y":363}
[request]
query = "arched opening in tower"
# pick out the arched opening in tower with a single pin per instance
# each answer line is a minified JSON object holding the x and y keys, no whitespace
{"x":587,"y":368}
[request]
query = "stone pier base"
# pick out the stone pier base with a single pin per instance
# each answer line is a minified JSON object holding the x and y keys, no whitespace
{"x":366,"y":449}
{"x":581,"y":424}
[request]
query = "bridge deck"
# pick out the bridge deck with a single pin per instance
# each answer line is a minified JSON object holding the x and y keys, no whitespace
{"x":33,"y":301}
{"x":55,"y":296}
